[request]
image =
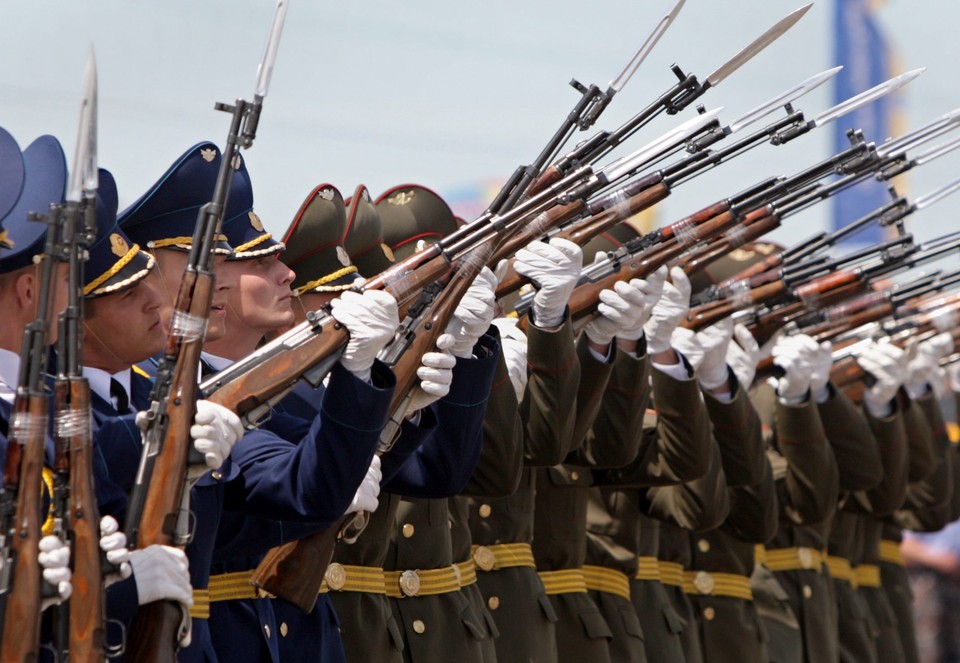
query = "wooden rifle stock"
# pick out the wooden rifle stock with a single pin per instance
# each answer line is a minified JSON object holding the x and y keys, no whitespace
{"x":23,"y":474}
{"x":72,"y":407}
{"x":709,"y":314}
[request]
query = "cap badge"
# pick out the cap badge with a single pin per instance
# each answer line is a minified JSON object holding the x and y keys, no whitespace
{"x":255,"y":222}
{"x":208,"y":154}
{"x":118,"y":245}
{"x":387,"y":251}
{"x":401,"y":198}
{"x":342,"y":256}
{"x":326,"y":194}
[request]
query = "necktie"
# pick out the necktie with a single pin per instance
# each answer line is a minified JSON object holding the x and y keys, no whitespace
{"x":119,"y":395}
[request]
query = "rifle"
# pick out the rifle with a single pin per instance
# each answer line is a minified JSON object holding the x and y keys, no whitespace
{"x":158,"y":511}
{"x":79,"y":623}
{"x":21,"y":580}
{"x":585,"y":112}
{"x":687,"y":90}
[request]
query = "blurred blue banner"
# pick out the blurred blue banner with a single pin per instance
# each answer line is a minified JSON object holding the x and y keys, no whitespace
{"x":862,"y":49}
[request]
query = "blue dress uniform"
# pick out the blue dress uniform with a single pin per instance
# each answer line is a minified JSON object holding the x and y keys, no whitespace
{"x":266,"y":474}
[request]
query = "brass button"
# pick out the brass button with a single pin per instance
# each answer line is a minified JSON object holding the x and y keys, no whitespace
{"x":485,"y":510}
{"x":805,"y":557}
{"x":266,"y":629}
{"x":703,"y":545}
{"x":703,"y":582}
{"x":709,"y":613}
{"x":575,"y":475}
{"x":336,"y":576}
{"x":284,"y":629}
{"x":484,"y":558}
{"x":409,"y":583}
{"x":807,"y":591}
{"x":216,"y":475}
{"x":493,"y":602}
{"x":419,"y":626}
{"x":407,"y":530}
{"x":450,"y":523}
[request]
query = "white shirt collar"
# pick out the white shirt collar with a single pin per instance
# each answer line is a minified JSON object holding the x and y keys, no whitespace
{"x":100,"y":382}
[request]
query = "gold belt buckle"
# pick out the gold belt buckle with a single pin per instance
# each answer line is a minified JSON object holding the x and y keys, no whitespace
{"x":484,"y":558}
{"x":704,"y":582}
{"x":336,"y":576}
{"x":410,"y":583}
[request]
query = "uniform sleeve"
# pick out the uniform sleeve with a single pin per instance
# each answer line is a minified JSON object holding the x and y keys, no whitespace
{"x":754,"y":510}
{"x":701,"y":504}
{"x":889,"y":494}
{"x":854,"y":447}
{"x":927,"y":505}
{"x":594,"y":376}
{"x":738,"y":434}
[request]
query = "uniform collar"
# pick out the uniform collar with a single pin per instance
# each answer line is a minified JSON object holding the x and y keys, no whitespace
{"x":9,"y":374}
{"x":100,"y":381}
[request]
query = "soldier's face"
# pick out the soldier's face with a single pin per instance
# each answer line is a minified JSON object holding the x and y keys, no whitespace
{"x":169,"y":271}
{"x":123,"y":328}
{"x":261,"y":302}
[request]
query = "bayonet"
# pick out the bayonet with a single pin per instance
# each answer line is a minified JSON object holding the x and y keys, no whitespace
{"x":866,"y":97}
{"x":784,"y":99}
{"x":83,"y":175}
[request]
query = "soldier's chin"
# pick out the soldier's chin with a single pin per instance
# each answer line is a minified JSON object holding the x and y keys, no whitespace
{"x":215,"y":329}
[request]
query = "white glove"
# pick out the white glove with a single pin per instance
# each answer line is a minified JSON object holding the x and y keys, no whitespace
{"x":685,"y":342}
{"x":669,"y":311}
{"x":822,"y":363}
{"x":796,"y":356}
{"x":922,"y":369}
{"x":714,"y":340}
{"x":436,"y":375}
{"x":743,"y":355}
{"x":54,"y":559}
{"x":161,"y":573}
{"x":214,"y":431}
{"x":623,"y":310}
{"x":369,"y":489}
{"x":513,"y":345}
{"x":371,"y":319}
{"x":114,"y":543}
{"x":555,"y":268}
{"x":888,"y":364}
{"x":473,"y":314}
{"x":953,"y":376}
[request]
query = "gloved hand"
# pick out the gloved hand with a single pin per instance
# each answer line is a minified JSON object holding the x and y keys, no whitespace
{"x":214,"y":431}
{"x":161,"y":573}
{"x":795,"y":355}
{"x":114,"y":543}
{"x":668,"y":312}
{"x":436,"y":375}
{"x":822,"y":363}
{"x":366,"y":497}
{"x":54,"y":559}
{"x":473,"y":314}
{"x":922,"y":369}
{"x":743,"y":355}
{"x":714,"y":340}
{"x":513,"y":344}
{"x":953,"y":376}
{"x":623,"y":310}
{"x":888,"y":364}
{"x":685,"y":342}
{"x":554,"y":267}
{"x":371,"y":319}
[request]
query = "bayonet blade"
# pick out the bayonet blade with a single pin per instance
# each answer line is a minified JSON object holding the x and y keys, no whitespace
{"x":916,"y":137}
{"x":265,"y":70}
{"x":617,"y":84}
{"x":661,"y":146}
{"x":937,"y":152}
{"x":757,"y":45}
{"x":83,"y":175}
{"x":865,"y":97}
{"x":783,"y":99}
{"x":934,"y":196}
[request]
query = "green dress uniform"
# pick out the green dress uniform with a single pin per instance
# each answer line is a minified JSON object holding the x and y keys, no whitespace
{"x":856,"y":626}
{"x":622,"y":496}
{"x":609,"y":426}
{"x":502,"y":527}
{"x":797,"y":607}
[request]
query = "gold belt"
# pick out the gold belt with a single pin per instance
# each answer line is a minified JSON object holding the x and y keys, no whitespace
{"x":648,"y":568}
{"x":467,"y":572}
{"x":601,"y":579}
{"x":503,"y":556}
{"x":759,"y":554}
{"x":867,"y":575}
{"x":414,"y":582}
{"x":840,"y":569}
{"x":339,"y":577}
{"x":707,"y":583}
{"x":793,"y":559}
{"x":671,"y":573}
{"x":890,"y":552}
{"x":565,"y":581}
{"x":201,"y":604}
